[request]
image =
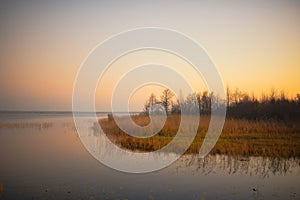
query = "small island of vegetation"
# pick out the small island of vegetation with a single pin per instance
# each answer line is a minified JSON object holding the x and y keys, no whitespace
{"x":268,"y":126}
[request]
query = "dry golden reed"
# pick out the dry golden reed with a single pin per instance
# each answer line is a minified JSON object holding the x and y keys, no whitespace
{"x":239,"y":137}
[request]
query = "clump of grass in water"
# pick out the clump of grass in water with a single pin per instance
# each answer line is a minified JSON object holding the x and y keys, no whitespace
{"x":239,"y":137}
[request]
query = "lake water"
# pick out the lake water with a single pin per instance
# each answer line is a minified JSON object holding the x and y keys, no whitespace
{"x":42,"y":157}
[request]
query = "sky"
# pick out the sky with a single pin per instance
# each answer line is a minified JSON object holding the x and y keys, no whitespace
{"x":255,"y":45}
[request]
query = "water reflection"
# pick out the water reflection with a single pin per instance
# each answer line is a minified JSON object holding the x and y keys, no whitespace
{"x":45,"y":159}
{"x":252,"y":166}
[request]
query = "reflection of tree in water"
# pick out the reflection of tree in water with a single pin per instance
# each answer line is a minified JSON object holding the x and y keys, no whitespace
{"x":97,"y":136}
{"x":95,"y":130}
{"x":258,"y":166}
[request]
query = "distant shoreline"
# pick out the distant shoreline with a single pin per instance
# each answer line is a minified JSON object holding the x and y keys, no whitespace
{"x":64,"y":112}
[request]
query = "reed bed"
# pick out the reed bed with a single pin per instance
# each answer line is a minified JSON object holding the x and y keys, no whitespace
{"x":239,"y":137}
{"x":25,"y":125}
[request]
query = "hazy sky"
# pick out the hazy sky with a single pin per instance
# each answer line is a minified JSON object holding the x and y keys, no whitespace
{"x":254,"y":44}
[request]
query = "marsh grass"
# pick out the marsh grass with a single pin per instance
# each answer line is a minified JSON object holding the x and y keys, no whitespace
{"x":239,"y":137}
{"x":25,"y":125}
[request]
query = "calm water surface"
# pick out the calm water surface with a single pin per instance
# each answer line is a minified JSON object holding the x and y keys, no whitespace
{"x":41,"y":157}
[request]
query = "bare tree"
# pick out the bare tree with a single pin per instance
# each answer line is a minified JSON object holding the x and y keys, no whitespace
{"x":205,"y":102}
{"x":166,"y":99}
{"x":298,"y":99}
{"x":273,"y":95}
{"x":228,"y":96}
{"x":151,"y":101}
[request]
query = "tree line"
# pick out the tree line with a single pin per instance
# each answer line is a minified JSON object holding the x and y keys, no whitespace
{"x":239,"y":104}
